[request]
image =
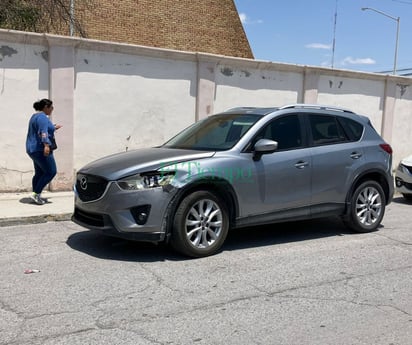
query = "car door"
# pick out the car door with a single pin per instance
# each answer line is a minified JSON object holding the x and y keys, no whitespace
{"x":283,"y":178}
{"x":334,"y":157}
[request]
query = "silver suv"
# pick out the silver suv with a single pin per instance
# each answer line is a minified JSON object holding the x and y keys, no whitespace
{"x":243,"y":167}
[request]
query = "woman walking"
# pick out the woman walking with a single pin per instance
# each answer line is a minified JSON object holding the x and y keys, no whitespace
{"x":39,"y":146}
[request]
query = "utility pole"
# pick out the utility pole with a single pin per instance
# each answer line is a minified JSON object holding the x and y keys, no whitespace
{"x":397,"y":20}
{"x":334,"y":34}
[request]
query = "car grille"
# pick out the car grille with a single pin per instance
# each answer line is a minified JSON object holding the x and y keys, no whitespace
{"x":90,"y":187}
{"x":93,"y":219}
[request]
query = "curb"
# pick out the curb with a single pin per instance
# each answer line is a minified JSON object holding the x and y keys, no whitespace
{"x":35,"y":219}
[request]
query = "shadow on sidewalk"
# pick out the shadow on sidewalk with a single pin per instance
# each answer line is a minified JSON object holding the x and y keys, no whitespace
{"x":27,"y":200}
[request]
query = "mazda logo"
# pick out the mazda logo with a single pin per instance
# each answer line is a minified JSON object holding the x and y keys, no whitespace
{"x":83,"y":183}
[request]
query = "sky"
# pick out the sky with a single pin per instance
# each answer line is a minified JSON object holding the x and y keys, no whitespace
{"x":330,"y":33}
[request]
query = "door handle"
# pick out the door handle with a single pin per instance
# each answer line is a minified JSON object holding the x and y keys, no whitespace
{"x":355,"y":155}
{"x":301,"y":165}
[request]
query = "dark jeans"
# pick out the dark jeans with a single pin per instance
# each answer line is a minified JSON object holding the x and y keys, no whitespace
{"x":44,"y":170}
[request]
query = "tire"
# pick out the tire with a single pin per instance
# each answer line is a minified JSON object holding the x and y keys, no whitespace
{"x":200,"y":225}
{"x":367,"y":207}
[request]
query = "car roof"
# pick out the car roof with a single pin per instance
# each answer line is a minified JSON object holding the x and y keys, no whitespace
{"x":268,"y":110}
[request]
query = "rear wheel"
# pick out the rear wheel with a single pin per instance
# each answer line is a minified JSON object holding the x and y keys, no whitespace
{"x":367,"y":207}
{"x":200,"y":225}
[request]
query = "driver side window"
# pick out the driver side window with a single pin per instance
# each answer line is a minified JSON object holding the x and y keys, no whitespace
{"x":286,"y":131}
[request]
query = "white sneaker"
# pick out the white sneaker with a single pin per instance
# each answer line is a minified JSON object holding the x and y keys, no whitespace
{"x":37,"y":199}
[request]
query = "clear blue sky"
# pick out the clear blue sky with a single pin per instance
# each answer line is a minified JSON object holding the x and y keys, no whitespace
{"x":303,"y":31}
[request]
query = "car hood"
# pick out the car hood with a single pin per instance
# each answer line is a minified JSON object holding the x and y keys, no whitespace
{"x":128,"y":163}
{"x":407,"y":161}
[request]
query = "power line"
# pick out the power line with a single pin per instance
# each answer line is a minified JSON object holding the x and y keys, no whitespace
{"x":403,"y":2}
{"x":406,"y":72}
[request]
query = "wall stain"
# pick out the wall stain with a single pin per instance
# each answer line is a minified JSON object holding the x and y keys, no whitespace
{"x":402,"y":88}
{"x":128,"y":142}
{"x":7,"y":51}
{"x":45,"y":55}
{"x":228,"y":72}
{"x":339,"y":85}
{"x":86,"y":61}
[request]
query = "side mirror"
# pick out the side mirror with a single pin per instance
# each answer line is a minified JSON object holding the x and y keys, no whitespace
{"x":263,"y":146}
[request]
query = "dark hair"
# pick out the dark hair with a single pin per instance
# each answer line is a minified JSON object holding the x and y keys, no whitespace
{"x":40,"y":105}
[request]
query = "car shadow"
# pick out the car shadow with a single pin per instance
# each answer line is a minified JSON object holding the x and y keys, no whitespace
{"x":111,"y":248}
{"x":401,"y":200}
{"x":279,"y":233}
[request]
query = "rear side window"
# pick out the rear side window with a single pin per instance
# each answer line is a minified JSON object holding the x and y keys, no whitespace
{"x":352,"y":128}
{"x":326,"y":130}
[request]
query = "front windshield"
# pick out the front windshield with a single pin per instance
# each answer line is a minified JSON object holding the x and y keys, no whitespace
{"x":215,"y":133}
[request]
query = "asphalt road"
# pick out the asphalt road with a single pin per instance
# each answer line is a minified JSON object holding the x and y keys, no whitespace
{"x":298,"y":283}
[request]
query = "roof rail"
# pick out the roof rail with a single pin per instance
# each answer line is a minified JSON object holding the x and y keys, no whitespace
{"x":240,"y":108}
{"x":316,"y":106}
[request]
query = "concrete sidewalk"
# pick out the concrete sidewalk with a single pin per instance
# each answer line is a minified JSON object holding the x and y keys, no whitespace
{"x":18,"y":208}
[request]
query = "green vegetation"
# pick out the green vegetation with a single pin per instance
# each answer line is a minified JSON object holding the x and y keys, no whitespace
{"x":51,"y":16}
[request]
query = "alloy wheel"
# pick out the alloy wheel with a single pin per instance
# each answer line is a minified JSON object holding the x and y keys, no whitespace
{"x":203,"y":223}
{"x":368,"y":206}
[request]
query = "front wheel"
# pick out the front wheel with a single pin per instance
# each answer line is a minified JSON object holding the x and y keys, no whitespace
{"x":367,"y":207}
{"x":200,"y":225}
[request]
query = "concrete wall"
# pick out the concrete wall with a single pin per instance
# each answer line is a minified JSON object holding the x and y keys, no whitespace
{"x":115,"y":97}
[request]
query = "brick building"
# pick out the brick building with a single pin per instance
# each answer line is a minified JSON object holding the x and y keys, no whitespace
{"x":209,"y":26}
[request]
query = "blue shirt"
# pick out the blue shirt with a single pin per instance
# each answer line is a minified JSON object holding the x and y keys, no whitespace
{"x":41,"y":129}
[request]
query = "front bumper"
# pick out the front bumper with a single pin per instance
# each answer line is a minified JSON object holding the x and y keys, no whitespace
{"x":403,"y":182}
{"x":116,"y":213}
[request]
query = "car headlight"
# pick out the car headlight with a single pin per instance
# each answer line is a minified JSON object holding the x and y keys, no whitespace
{"x":403,"y":168}
{"x":146,"y":181}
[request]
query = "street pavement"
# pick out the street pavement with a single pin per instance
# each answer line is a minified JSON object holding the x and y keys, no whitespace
{"x":18,"y":208}
{"x":311,"y":282}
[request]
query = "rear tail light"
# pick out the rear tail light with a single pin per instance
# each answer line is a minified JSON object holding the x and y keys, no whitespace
{"x":387,"y":148}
